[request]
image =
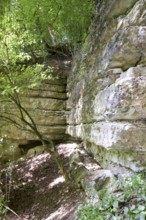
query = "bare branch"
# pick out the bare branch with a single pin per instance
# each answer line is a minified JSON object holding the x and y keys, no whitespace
{"x":5,"y":118}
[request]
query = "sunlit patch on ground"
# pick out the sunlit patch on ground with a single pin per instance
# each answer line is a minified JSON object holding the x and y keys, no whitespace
{"x":39,"y":192}
{"x":56,"y":181}
{"x":61,"y":213}
{"x":67,"y":149}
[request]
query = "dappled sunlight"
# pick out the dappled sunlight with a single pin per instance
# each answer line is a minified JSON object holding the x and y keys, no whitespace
{"x":92,"y":166}
{"x":38,"y":160}
{"x":38,"y":191}
{"x":31,"y":163}
{"x":56,"y":182}
{"x":60,"y":213}
{"x":67,"y":149}
{"x":26,"y":168}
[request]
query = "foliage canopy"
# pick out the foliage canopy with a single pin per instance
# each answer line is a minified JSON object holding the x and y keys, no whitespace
{"x":30,"y":26}
{"x":28,"y":29}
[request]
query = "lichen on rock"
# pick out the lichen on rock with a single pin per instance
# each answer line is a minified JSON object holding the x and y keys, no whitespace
{"x":108,"y":113}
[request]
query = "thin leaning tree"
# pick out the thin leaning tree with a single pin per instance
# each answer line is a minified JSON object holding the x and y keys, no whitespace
{"x":19,"y":73}
{"x":14,"y":84}
{"x":25,"y":35}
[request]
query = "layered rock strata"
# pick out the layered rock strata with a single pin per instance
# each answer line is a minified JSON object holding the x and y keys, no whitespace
{"x":107,"y":87}
{"x":47,"y":107}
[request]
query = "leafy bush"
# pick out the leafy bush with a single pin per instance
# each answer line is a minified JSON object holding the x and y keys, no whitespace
{"x":127,"y":201}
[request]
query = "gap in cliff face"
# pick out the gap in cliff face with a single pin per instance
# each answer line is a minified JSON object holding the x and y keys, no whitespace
{"x":30,"y":144}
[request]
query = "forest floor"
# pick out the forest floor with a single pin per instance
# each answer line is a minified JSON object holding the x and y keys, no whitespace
{"x":37,"y":191}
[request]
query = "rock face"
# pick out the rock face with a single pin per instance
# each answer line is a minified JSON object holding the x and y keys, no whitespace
{"x":87,"y":174}
{"x":47,"y":107}
{"x":106,"y":106}
{"x":107,"y":87}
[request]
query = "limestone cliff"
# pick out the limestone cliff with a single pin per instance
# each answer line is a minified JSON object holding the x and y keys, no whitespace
{"x":107,"y":87}
{"x":106,"y":106}
{"x":47,"y":106}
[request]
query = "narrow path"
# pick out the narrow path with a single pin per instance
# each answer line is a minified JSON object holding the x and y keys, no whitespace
{"x":38,"y":191}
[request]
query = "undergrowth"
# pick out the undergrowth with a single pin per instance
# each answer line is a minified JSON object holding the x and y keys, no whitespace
{"x":5,"y":190}
{"x":126,"y":201}
{"x":5,"y":187}
{"x":3,"y":209}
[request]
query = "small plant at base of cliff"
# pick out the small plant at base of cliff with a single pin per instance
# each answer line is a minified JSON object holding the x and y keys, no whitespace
{"x":3,"y":210}
{"x":5,"y":190}
{"x":126,"y":202}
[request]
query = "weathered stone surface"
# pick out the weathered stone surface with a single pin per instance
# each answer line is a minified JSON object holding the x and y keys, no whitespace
{"x":36,"y":151}
{"x":47,"y":107}
{"x":119,"y":162}
{"x":124,"y":51}
{"x":52,"y":132}
{"x":48,"y":94}
{"x":135,"y":17}
{"x":106,"y":92}
{"x":119,"y":8}
{"x":88,"y":174}
{"x":43,"y":103}
{"x":107,"y":87}
{"x":9,"y":151}
{"x":126,"y":99}
{"x":58,"y":87}
{"x":47,"y":117}
{"x":44,"y":117}
{"x":96,"y":181}
{"x":118,"y":135}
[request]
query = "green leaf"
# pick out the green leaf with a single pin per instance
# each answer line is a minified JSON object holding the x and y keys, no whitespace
{"x":141,"y":208}
{"x":116,"y":204}
{"x":142,"y":215}
{"x":135,"y":211}
{"x":132,"y":207}
{"x":126,"y":210}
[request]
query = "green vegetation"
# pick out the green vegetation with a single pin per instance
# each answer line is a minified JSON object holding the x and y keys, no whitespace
{"x":3,"y":210}
{"x":29,"y":31}
{"x":127,"y":201}
{"x":30,"y":28}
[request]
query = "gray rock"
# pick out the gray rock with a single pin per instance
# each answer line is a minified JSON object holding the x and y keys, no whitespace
{"x":87,"y":174}
{"x":108,"y":112}
{"x":47,"y":107}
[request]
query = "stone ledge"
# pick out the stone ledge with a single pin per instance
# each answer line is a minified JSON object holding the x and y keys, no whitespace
{"x":87,"y":174}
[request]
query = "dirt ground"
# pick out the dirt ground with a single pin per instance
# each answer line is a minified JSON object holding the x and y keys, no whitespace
{"x":37,"y":191}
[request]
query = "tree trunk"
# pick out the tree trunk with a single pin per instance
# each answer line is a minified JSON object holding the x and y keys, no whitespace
{"x":56,"y":157}
{"x":59,"y":163}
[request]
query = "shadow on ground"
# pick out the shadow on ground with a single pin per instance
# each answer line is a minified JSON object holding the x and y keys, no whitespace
{"x":37,"y":190}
